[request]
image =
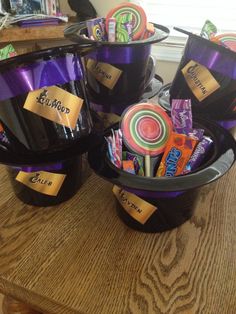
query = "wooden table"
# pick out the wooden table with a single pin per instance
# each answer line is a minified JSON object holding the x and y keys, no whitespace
{"x":79,"y":257}
{"x":34,"y":38}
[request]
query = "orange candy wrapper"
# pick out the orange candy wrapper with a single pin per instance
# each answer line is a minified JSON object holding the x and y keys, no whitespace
{"x":178,"y":151}
{"x":128,"y":166}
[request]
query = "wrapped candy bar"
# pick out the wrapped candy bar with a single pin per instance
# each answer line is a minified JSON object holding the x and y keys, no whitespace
{"x":114,"y":144}
{"x":112,"y":29}
{"x":177,"y":153}
{"x":181,"y":113}
{"x":137,"y":160}
{"x":3,"y":136}
{"x":96,"y":28}
{"x":128,"y":166}
{"x":7,"y":52}
{"x":194,"y":133}
{"x":149,"y":31}
{"x":208,"y":30}
{"x":199,"y":154}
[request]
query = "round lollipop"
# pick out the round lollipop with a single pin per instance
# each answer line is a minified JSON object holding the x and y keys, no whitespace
{"x":146,"y":129}
{"x":139,"y":19}
{"x":228,"y":40}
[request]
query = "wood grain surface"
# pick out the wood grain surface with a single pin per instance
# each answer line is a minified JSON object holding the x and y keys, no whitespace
{"x":15,"y":33}
{"x":79,"y":257}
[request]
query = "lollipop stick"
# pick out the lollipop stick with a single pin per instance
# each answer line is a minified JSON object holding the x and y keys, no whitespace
{"x":147,"y":165}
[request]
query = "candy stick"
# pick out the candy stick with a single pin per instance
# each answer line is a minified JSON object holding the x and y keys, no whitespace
{"x":147,"y":160}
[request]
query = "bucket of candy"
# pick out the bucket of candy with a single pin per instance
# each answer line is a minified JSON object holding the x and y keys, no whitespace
{"x":118,"y":71}
{"x":207,"y":75}
{"x":164,"y":100}
{"x":158,"y":164}
{"x":43,"y":102}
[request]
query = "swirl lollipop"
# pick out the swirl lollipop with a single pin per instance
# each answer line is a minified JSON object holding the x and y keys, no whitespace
{"x":146,"y":129}
{"x":139,"y":19}
{"x":227,"y":40}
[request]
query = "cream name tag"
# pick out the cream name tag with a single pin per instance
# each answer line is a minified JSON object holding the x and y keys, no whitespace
{"x":41,"y":181}
{"x":136,"y":207}
{"x":55,"y":104}
{"x":200,"y":80}
{"x":105,"y":73}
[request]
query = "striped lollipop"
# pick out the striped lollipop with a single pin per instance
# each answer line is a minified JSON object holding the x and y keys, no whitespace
{"x":227,"y":40}
{"x":146,"y":129}
{"x":139,"y":19}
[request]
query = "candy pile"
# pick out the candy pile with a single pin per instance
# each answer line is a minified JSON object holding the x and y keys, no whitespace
{"x":147,"y":135}
{"x":126,"y":22}
{"x":228,"y":40}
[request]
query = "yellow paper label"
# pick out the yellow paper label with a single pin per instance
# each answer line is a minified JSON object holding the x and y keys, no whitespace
{"x":41,"y":181}
{"x":136,"y":207}
{"x":105,"y":73}
{"x":200,"y":80}
{"x":55,"y":104}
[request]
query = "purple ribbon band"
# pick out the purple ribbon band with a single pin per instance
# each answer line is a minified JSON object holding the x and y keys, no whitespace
{"x":211,"y":56}
{"x":39,"y":74}
{"x":154,"y":194}
{"x":227,"y":124}
{"x":52,"y":167}
{"x":121,"y":55}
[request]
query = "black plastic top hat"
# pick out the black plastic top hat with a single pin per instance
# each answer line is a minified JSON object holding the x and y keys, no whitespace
{"x":76,"y":31}
{"x":207,"y":75}
{"x":51,"y":122}
{"x":8,"y":155}
{"x":81,"y":49}
{"x":219,"y":161}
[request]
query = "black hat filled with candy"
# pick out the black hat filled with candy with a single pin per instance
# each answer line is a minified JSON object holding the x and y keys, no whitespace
{"x":121,"y":68}
{"x":158,"y":163}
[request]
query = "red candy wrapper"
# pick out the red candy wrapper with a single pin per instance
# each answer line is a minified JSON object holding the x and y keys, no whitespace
{"x":177,"y":154}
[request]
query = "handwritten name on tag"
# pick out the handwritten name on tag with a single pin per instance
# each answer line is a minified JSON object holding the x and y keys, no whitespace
{"x":41,"y":181}
{"x":105,"y":73}
{"x":55,"y":104}
{"x":200,"y":80}
{"x":136,"y":207}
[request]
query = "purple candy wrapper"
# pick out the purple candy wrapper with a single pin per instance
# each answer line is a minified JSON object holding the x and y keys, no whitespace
{"x":96,"y":29}
{"x":199,"y":154}
{"x":194,"y":133}
{"x":181,"y":113}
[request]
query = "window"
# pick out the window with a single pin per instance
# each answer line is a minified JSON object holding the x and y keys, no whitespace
{"x":188,"y":15}
{"x":191,"y":15}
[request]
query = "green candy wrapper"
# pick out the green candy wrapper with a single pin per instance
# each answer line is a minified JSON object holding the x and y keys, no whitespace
{"x":7,"y":52}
